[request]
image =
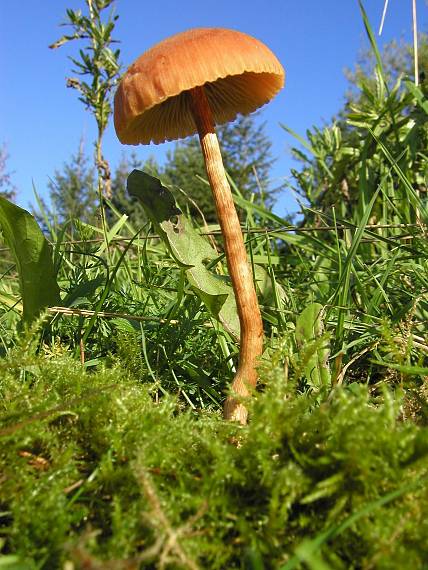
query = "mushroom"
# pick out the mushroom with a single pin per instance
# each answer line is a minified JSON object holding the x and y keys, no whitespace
{"x":187,"y":84}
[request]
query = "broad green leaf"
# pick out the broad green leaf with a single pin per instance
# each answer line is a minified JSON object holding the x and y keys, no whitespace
{"x":268,"y":289}
{"x":125,"y":325}
{"x":33,"y":256}
{"x":312,"y":344}
{"x":82,"y":291}
{"x":187,"y":247}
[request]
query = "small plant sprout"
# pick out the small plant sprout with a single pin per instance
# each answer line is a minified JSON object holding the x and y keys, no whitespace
{"x":187,"y":84}
{"x":98,"y":63}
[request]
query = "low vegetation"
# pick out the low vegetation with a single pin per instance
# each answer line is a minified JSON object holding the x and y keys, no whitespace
{"x":116,"y":354}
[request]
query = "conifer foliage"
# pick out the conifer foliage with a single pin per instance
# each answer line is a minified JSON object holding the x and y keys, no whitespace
{"x":247,"y":156}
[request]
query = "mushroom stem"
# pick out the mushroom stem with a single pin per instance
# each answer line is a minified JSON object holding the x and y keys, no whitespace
{"x":251,"y":335}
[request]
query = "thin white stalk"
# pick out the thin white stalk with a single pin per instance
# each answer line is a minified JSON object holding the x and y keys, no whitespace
{"x":385,"y":8}
{"x":415,"y":44}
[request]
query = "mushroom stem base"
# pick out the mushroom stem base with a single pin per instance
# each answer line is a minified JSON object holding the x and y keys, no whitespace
{"x":251,"y":335}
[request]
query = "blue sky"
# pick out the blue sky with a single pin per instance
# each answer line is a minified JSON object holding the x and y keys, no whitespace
{"x":42,"y":122}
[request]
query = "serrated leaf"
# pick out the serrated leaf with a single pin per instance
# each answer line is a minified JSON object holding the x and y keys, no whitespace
{"x":33,"y":257}
{"x":187,"y":247}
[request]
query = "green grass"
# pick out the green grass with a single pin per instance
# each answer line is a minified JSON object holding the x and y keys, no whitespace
{"x":110,"y":479}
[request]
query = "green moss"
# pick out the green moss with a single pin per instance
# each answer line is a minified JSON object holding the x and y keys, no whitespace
{"x":93,"y":469}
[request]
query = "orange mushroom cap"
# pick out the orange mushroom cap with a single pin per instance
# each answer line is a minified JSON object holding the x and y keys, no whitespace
{"x":240,"y":74}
